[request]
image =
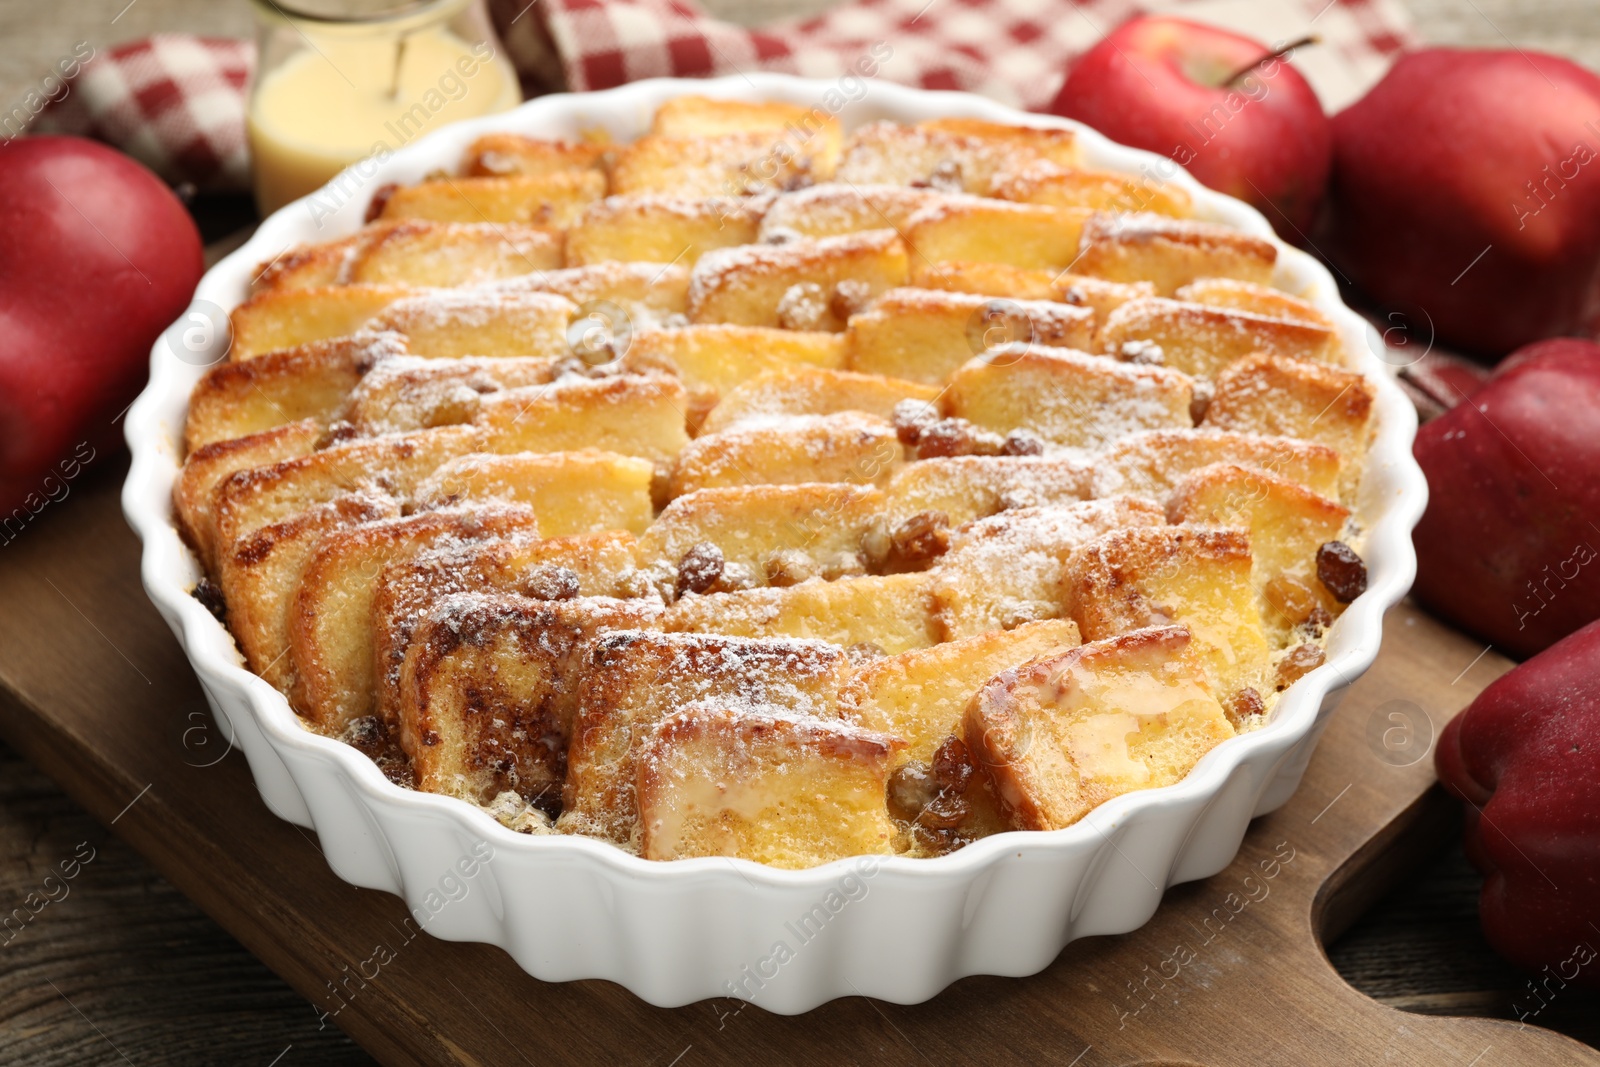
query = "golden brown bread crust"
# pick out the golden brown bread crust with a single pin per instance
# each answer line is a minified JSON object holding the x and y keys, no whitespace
{"x":308,"y":381}
{"x":1196,"y":576}
{"x":633,"y":679}
{"x":487,"y":691}
{"x":1270,"y":394}
{"x":1065,"y":733}
{"x":1171,"y":253}
{"x":194,"y":493}
{"x":331,"y":632}
{"x":501,"y":154}
{"x":789,"y":792}
{"x":260,"y":571}
{"x":590,"y":565}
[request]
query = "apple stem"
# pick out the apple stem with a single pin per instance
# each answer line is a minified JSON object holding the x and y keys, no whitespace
{"x":1276,"y":53}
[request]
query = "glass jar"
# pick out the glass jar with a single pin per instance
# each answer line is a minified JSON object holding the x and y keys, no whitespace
{"x":339,"y":80}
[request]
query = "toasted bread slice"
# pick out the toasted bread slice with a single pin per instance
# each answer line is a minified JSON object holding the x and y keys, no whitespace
{"x":920,"y":696}
{"x":250,"y":499}
{"x":1171,"y":253}
{"x":963,"y":488}
{"x":636,"y":415}
{"x":260,"y":571}
{"x":1005,"y":570}
{"x":645,"y":294}
{"x":1096,"y":190}
{"x":893,"y":612}
{"x":1288,"y":523}
{"x":786,"y":792}
{"x":311,"y":266}
{"x":498,"y":155}
{"x":331,"y":635}
{"x":553,"y":199}
{"x":407,"y":393}
{"x":194,"y":493}
{"x":790,"y":450}
{"x":306,"y":382}
{"x":1255,"y":299}
{"x":771,"y":534}
{"x":835,"y":209}
{"x":924,"y":335}
{"x":276,"y":319}
{"x":712,"y":359}
{"x":1000,"y":280}
{"x":577,"y":492}
{"x":1050,"y":143}
{"x":1196,"y":576}
{"x":1272,"y":395}
{"x":660,"y":229}
{"x":810,"y":129}
{"x":809,"y":284}
{"x":1202,"y":341}
{"x":1067,"y":398}
{"x":480,"y":322}
{"x":954,"y":156}
{"x":1151,"y":464}
{"x":745,"y":163}
{"x":632,"y":680}
{"x":1065,"y":733}
{"x":989,"y":279}
{"x":587,"y":565}
{"x":1029,"y":236}
{"x":488,"y":690}
{"x":417,"y":252}
{"x":813,"y":391}
{"x":1016,"y":283}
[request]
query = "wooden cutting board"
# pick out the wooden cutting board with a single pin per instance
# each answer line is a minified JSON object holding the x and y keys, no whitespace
{"x":94,"y":690}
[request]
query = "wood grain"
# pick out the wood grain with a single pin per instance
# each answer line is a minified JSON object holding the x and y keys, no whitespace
{"x":98,"y":695}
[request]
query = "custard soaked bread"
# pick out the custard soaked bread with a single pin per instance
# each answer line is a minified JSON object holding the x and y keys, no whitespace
{"x":766,"y":489}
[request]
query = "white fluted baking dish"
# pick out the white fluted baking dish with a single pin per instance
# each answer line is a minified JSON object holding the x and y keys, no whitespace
{"x":893,"y":928}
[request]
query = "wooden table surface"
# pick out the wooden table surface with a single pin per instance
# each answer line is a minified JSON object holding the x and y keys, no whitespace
{"x":124,"y":970}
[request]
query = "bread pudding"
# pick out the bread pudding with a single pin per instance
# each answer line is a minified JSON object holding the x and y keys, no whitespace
{"x":710,"y":498}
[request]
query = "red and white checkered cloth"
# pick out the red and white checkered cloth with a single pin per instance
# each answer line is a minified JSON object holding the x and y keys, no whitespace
{"x":177,"y":102}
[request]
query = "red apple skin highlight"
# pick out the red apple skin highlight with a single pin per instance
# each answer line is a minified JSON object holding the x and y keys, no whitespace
{"x":1431,"y":203}
{"x":1156,"y":83}
{"x":97,"y":257}
{"x":1509,"y":547}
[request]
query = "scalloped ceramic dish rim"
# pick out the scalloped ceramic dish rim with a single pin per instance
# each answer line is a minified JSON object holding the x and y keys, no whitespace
{"x":169,"y":570}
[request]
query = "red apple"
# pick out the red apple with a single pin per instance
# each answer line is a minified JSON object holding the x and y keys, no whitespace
{"x":96,"y":258}
{"x":1240,"y":118}
{"x":1523,"y":757}
{"x":1467,"y":182}
{"x":1509,"y":547}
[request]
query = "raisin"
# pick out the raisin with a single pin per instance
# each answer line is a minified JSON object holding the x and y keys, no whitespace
{"x":379,"y":201}
{"x":700,"y":568}
{"x":849,"y":297}
{"x":1341,"y":570}
{"x":911,"y":419}
{"x":1022,"y":443}
{"x":552,"y":583}
{"x":1245,"y":704}
{"x":911,"y":789}
{"x":1300,"y":661}
{"x":790,"y":567}
{"x":923,"y":536}
{"x":209,"y":594}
